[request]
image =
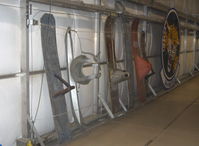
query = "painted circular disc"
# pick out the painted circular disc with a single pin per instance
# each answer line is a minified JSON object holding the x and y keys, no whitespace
{"x":170,"y":48}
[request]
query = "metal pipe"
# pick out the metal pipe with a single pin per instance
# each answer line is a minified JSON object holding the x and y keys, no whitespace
{"x":97,"y":52}
{"x":20,"y":74}
{"x":105,"y":10}
{"x":25,"y":68}
{"x":94,"y":8}
{"x":160,"y":7}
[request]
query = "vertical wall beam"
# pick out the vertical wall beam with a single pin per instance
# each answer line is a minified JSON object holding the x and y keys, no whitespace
{"x":24,"y":13}
{"x":185,"y":46}
{"x":194,"y":49}
{"x":96,"y":52}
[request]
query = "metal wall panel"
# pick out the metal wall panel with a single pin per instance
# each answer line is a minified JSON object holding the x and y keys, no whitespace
{"x":10,"y":40}
{"x":156,"y":81}
{"x":10,"y":89}
{"x":10,"y":111}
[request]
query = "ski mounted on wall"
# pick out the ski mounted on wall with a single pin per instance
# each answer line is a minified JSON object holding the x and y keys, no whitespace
{"x":115,"y":75}
{"x":65,"y":129}
{"x":170,"y":49}
{"x":75,"y":73}
{"x":54,"y":79}
{"x":74,"y":93}
{"x":142,"y":65}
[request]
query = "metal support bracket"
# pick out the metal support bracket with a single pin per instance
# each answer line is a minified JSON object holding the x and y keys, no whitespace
{"x":62,"y":92}
{"x":32,"y":22}
{"x":196,"y":67}
{"x":178,"y":80}
{"x":191,"y":73}
{"x":106,"y":107}
{"x":151,"y":88}
{"x":122,"y":105}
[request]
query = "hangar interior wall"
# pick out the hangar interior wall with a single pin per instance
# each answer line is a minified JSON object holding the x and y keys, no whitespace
{"x":11,"y":44}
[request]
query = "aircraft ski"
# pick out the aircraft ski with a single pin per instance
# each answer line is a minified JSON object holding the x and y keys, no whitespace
{"x":142,"y":65}
{"x":54,"y":79}
{"x":74,"y":93}
{"x":115,"y":75}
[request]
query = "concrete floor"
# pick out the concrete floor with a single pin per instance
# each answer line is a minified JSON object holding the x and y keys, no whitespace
{"x":171,"y":120}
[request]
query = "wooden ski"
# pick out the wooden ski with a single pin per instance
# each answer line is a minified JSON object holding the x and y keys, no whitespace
{"x":115,"y":75}
{"x":142,"y":65}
